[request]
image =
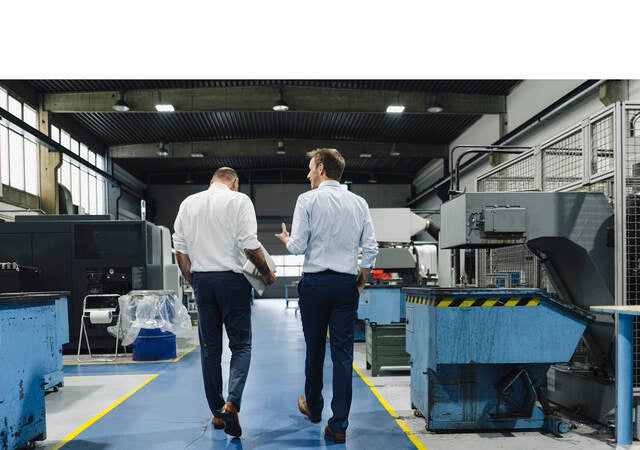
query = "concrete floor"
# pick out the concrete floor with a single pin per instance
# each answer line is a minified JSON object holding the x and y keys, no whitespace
{"x":94,"y":394}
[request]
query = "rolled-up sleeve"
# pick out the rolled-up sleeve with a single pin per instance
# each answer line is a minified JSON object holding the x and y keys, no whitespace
{"x":368,"y":241}
{"x":179,"y":240}
{"x":247,"y":226}
{"x":299,"y":237}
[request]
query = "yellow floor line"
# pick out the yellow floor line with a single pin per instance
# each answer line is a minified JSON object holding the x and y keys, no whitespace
{"x":95,"y":418}
{"x":105,"y":363}
{"x":401,"y":423}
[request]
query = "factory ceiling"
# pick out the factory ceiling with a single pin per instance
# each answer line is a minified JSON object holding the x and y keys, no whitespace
{"x":233,"y":123}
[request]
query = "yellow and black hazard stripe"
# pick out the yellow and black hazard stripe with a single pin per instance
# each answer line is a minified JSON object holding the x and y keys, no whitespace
{"x":468,"y":302}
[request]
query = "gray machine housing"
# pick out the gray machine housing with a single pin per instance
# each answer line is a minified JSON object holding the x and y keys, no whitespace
{"x":572,"y":234}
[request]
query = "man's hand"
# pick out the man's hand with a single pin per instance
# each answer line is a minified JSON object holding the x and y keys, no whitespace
{"x":270,"y":278}
{"x":363,"y":276}
{"x":284,"y":236}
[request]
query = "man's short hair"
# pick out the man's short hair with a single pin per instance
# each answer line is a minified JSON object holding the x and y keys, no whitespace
{"x":226,"y":173}
{"x":331,"y":159}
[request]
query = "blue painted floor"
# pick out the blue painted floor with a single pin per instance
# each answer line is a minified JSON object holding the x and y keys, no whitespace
{"x":171,"y":411}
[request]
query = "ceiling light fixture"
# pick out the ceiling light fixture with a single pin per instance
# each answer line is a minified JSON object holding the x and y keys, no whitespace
{"x":281,"y":150}
{"x":162,"y":150}
{"x":434,"y":106}
{"x":395,"y":109}
{"x":394,"y":150}
{"x":372,"y":179}
{"x":280,"y":105}
{"x":164,"y":107}
{"x":365,"y":155}
{"x":197,"y":155}
{"x":189,"y":180}
{"x":121,"y":105}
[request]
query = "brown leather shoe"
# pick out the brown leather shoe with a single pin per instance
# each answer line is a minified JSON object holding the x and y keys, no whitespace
{"x":338,"y":438}
{"x":304,"y":409}
{"x":218,"y":423}
{"x":229,"y":415}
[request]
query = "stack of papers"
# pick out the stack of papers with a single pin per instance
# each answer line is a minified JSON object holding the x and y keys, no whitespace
{"x":253,"y":275}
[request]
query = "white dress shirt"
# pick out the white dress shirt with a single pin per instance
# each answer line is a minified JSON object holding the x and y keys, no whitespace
{"x":214,"y":227}
{"x":329,"y":224}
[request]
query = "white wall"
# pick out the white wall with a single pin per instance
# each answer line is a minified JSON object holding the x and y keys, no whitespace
{"x":526,"y":100}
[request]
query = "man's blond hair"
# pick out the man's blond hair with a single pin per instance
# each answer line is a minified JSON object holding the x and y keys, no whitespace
{"x":331,"y":159}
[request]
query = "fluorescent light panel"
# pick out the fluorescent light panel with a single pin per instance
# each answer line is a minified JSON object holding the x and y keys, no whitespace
{"x":164,"y":107}
{"x":395,"y":108}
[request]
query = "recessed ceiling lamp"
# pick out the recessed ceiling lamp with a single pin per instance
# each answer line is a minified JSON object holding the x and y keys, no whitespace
{"x":434,"y":106}
{"x":164,"y":107}
{"x":121,"y":105}
{"x":280,"y":105}
{"x":281,"y":150}
{"x":197,"y":155}
{"x":162,"y":150}
{"x":395,"y":109}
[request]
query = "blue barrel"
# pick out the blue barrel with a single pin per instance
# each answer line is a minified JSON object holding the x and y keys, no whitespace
{"x":153,"y":344}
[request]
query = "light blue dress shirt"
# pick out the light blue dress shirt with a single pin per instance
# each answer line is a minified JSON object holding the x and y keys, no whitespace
{"x":329,"y":224}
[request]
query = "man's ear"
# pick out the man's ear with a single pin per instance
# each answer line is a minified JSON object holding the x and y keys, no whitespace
{"x":320,"y":168}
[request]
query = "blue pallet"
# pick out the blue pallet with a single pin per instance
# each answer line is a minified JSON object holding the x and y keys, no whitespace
{"x":479,"y":355}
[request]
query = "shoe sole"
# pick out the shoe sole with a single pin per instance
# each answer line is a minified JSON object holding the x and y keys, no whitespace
{"x":231,"y":425}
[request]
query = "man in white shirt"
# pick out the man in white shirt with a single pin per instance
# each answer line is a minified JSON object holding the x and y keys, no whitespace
{"x":215,"y":231}
{"x":329,"y":224}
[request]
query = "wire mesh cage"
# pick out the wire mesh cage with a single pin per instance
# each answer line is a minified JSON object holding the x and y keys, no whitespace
{"x":602,"y":143}
{"x":513,"y":176}
{"x":562,"y":162}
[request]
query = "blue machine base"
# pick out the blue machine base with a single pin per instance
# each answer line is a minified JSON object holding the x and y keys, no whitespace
{"x":483,"y":397}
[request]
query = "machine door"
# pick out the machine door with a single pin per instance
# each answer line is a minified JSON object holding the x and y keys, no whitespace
{"x":52,"y":257}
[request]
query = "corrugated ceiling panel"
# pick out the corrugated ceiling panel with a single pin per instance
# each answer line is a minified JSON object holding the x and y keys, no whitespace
{"x":492,"y":87}
{"x":116,"y":129}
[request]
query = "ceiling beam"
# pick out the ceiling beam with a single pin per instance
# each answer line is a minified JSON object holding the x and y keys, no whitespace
{"x":262,"y":99}
{"x":268,"y":147}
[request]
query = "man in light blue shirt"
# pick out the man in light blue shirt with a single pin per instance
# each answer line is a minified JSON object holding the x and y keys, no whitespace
{"x":329,"y":225}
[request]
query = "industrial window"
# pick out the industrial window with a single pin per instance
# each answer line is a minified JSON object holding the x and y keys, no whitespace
{"x":87,"y":188}
{"x":19,"y":159}
{"x":288,"y":265}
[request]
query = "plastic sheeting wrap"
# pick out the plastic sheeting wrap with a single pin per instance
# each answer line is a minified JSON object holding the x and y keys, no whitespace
{"x":152,"y":310}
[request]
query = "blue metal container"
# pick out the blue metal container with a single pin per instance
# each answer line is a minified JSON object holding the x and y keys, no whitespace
{"x":32,"y":331}
{"x":382,"y":305}
{"x":479,"y":356}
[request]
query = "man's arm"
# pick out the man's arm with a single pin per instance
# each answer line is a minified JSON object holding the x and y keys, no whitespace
{"x":369,"y":247}
{"x":363,"y":276}
{"x":257,"y":258}
{"x":184,"y":263}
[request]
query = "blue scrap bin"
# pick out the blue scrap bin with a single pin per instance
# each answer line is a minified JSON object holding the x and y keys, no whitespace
{"x":480,"y":356}
{"x":153,"y":344}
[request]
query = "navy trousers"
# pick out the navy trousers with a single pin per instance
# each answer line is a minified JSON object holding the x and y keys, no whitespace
{"x":329,"y":299}
{"x":223,"y":298}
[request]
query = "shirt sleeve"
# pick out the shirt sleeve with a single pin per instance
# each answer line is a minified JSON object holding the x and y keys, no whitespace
{"x":247,"y":225}
{"x":300,"y":229}
{"x":368,"y":241}
{"x":179,"y":240}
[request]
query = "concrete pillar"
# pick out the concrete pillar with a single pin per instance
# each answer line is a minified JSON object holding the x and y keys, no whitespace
{"x":49,"y":163}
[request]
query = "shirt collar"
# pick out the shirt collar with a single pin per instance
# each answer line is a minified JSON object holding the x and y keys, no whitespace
{"x":219,"y":185}
{"x":329,"y":183}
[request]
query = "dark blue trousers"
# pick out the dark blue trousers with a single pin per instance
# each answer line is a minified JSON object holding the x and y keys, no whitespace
{"x":223,"y":298}
{"x":329,"y":300}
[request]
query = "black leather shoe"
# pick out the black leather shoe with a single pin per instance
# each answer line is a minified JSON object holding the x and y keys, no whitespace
{"x":229,"y":414}
{"x":304,"y":409}
{"x":338,"y":438}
